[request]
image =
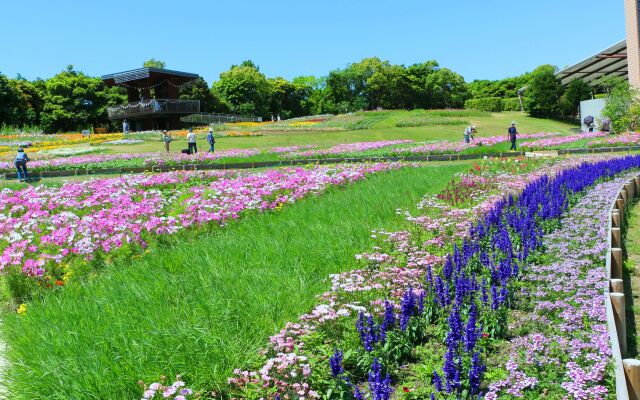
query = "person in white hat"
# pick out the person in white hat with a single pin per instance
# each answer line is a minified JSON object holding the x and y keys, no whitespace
{"x":212,"y":140}
{"x":469,"y":133}
{"x":513,"y":134}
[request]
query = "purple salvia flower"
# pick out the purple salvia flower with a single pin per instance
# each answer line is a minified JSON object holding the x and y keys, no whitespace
{"x":335,"y":361}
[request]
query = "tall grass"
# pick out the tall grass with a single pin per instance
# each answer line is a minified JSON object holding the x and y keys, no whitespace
{"x":201,"y":304}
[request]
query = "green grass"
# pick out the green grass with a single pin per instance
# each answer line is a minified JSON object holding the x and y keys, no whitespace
{"x":201,"y":304}
{"x":363,"y":127}
{"x":631,"y":277}
{"x":383,"y":127}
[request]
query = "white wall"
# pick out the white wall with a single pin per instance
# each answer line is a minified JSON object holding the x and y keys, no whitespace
{"x":593,"y":108}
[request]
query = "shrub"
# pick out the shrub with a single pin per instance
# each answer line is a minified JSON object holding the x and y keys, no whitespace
{"x":511,"y":104}
{"x":623,"y":109}
{"x":491,"y":104}
{"x":415,"y":122}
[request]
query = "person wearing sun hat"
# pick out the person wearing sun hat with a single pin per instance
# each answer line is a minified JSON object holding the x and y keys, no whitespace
{"x":513,"y":134}
{"x":212,"y":140}
{"x":469,"y":133}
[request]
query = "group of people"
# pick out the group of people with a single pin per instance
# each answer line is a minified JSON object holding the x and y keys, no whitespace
{"x":471,"y":131}
{"x":191,"y":141}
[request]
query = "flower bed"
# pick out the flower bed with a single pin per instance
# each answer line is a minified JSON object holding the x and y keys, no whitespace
{"x":346,"y":149}
{"x":563,"y":316}
{"x":48,"y":235}
{"x":625,"y":139}
{"x":427,"y":315}
{"x":457,"y":147}
{"x":124,"y":142}
{"x":557,"y":141}
{"x":128,"y":160}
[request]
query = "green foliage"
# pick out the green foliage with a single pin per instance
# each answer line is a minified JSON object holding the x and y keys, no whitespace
{"x":210,"y":295}
{"x":606,"y":84}
{"x":245,"y":90}
{"x":153,"y":63}
{"x":288,"y":99}
{"x":447,"y":89}
{"x":429,"y":121}
{"x":511,"y":104}
{"x":622,"y":108}
{"x":64,"y":101}
{"x":504,"y":88}
{"x":199,"y":90}
{"x":21,"y":101}
{"x":491,"y":104}
{"x":544,"y":93}
{"x":577,"y":91}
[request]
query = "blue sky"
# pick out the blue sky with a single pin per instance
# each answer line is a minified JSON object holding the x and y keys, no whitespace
{"x":480,"y":39}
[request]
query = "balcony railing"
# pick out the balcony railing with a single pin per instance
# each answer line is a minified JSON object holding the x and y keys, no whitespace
{"x":155,"y":106}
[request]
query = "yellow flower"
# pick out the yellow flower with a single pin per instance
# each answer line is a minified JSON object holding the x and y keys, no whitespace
{"x":67,"y":276}
{"x":22,"y":309}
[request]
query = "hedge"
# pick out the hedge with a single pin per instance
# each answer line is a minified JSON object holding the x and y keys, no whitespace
{"x":491,"y":104}
{"x":511,"y":104}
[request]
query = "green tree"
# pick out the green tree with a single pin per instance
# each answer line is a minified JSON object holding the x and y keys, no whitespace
{"x":390,"y":87}
{"x":153,"y":63}
{"x":73,"y":100}
{"x":245,"y":89}
{"x":504,"y":88}
{"x":348,"y":90}
{"x":29,"y":105}
{"x":606,"y":84}
{"x":8,"y":101}
{"x":198,"y":90}
{"x":577,"y":91}
{"x":622,"y":108}
{"x":288,"y":99}
{"x":417,"y":75}
{"x":544,"y":92}
{"x":446,"y":89}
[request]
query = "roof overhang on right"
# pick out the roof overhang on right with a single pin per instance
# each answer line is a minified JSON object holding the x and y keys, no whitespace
{"x":609,"y":62}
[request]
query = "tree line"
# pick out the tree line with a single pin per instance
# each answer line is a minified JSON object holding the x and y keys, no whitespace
{"x":72,"y":100}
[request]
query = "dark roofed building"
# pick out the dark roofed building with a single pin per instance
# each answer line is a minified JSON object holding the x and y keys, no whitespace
{"x":611,"y":61}
{"x":153,"y":98}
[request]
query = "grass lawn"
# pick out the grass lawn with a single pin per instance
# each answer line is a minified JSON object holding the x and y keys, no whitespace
{"x":383,"y":127}
{"x":632,"y":280}
{"x":202,"y":303}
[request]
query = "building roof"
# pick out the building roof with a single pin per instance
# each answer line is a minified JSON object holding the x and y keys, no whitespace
{"x":145,"y":73}
{"x":609,"y":62}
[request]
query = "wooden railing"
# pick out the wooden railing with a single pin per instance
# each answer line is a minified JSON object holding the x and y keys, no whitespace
{"x":627,"y":371}
{"x":154,"y":106}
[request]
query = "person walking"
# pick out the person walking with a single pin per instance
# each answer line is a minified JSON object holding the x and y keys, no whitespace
{"x":125,"y":126}
{"x":513,"y":135}
{"x":21,"y":165}
{"x":166,"y":138}
{"x":469,"y":134}
{"x":191,"y":140}
{"x":211,"y":140}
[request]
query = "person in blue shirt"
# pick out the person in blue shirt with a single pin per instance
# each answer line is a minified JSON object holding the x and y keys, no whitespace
{"x":21,"y":164}
{"x":513,"y":135}
{"x":211,"y":140}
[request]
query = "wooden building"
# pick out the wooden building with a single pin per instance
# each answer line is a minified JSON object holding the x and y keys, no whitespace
{"x":153,"y":98}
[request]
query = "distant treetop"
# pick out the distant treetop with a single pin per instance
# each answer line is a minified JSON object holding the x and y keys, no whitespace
{"x":153,"y":63}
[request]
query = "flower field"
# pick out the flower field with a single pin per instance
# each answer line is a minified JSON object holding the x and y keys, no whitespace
{"x":462,"y":302}
{"x":558,"y":141}
{"x":49,"y":235}
{"x":157,"y":159}
{"x":457,"y":147}
{"x":434,"y":306}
